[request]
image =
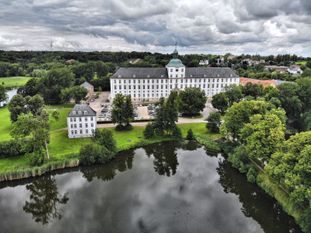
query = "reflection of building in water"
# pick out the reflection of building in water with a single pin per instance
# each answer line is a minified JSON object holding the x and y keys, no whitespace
{"x":44,"y":200}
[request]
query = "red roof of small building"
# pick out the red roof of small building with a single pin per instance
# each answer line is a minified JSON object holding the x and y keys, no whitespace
{"x":264,"y":83}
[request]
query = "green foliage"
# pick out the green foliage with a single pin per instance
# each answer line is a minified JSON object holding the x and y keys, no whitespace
{"x":37,"y":157}
{"x":55,"y":81}
{"x":104,"y":138}
{"x":234,"y":94}
{"x":17,"y":106}
{"x":34,"y":104}
{"x":3,"y":95}
{"x":290,"y":166}
{"x":149,"y":131}
{"x":190,"y":135}
{"x":253,"y":90}
{"x":76,"y":92}
{"x":122,"y":111}
{"x":213,"y":122}
{"x":176,"y":133}
{"x":263,"y":136}
{"x":239,"y":114}
{"x":251,"y":175}
{"x":94,"y":154}
{"x":191,"y":101}
{"x":220,"y":101}
{"x":12,"y":148}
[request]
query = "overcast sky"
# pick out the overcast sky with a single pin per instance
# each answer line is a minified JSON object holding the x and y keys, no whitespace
{"x":198,"y":26}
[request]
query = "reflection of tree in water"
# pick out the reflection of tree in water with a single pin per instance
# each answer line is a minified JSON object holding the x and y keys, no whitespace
{"x":44,"y":200}
{"x":255,"y":202}
{"x":123,"y":162}
{"x":165,"y":157}
{"x":190,"y":145}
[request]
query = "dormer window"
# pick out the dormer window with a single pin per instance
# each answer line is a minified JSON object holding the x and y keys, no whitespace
{"x":176,"y":70}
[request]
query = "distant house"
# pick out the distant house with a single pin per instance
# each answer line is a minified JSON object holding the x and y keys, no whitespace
{"x":295,"y":70}
{"x":89,"y":87}
{"x":81,"y":121}
{"x":281,"y":69}
{"x":204,"y":62}
{"x":70,"y":61}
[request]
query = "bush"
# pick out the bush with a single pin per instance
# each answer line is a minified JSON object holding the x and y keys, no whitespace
{"x":37,"y":158}
{"x":190,"y":135}
{"x":251,"y":175}
{"x":176,"y":132}
{"x":104,"y":138}
{"x":213,"y":122}
{"x":94,"y":153}
{"x":149,"y":131}
{"x":12,"y":148}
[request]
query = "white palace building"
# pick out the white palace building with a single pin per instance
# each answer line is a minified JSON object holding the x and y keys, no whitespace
{"x":150,"y":84}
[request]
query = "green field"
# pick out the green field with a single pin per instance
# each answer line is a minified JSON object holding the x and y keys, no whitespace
{"x":10,"y":82}
{"x":301,"y":63}
{"x":62,"y":148}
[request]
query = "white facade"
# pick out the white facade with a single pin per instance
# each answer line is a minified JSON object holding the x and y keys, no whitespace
{"x":81,"y":123}
{"x":153,"y":89}
{"x":150,"y":84}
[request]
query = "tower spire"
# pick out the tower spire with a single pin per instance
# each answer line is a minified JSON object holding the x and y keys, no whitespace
{"x":175,"y":53}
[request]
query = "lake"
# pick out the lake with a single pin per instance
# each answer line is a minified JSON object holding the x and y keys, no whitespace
{"x":167,"y":187}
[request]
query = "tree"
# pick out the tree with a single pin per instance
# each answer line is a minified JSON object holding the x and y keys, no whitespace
{"x":94,"y":154}
{"x":104,"y":138}
{"x":190,"y":135}
{"x":3,"y":95}
{"x":17,"y":107}
{"x":149,"y":131}
{"x":290,"y":101}
{"x":263,"y":136}
{"x":35,"y":104}
{"x":52,"y":85}
{"x":36,"y":130}
{"x":77,"y":93}
{"x":31,"y":88}
{"x":304,"y":93}
{"x":213,"y":122}
{"x":290,"y":167}
{"x":253,"y":90}
{"x":220,"y":101}
{"x":239,"y":114}
{"x":122,"y":111}
{"x":234,"y":94}
{"x":192,"y":101}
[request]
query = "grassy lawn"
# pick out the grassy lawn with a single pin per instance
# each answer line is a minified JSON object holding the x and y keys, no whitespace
{"x":5,"y":124}
{"x":61,"y":147}
{"x":17,"y":81}
{"x":301,"y":62}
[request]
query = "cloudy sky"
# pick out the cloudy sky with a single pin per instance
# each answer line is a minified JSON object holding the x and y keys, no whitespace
{"x":198,"y":26}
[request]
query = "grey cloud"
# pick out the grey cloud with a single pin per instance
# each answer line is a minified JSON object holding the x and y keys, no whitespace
{"x":213,"y":26}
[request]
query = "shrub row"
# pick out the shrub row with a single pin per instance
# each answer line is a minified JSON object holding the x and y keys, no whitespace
{"x":12,"y":148}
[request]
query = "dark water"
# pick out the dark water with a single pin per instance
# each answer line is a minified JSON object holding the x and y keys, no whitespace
{"x":167,"y":187}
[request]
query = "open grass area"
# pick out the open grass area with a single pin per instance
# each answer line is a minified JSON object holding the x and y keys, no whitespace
{"x":5,"y":124}
{"x":10,"y":82}
{"x":302,"y":63}
{"x":62,"y":148}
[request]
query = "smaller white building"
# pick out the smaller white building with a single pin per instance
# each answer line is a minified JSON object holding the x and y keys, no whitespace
{"x":81,"y":121}
{"x":295,"y":70}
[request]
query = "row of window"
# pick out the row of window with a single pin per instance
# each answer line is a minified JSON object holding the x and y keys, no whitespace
{"x":80,"y":125}
{"x":165,"y":94}
{"x":74,"y":119}
{"x":152,"y":87}
{"x":191,"y":80}
{"x":74,"y":132}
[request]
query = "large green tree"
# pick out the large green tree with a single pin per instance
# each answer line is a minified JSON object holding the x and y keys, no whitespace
{"x":213,"y":122}
{"x":263,"y":135}
{"x":122,"y":111}
{"x":239,"y":114}
{"x":192,"y":101}
{"x":220,"y":101}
